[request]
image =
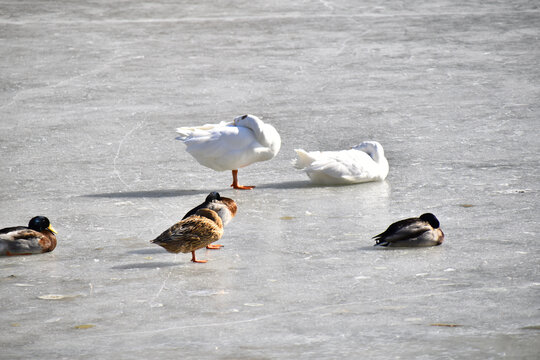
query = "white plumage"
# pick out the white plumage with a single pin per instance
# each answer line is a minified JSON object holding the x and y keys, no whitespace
{"x":362,"y":163}
{"x":231,"y":145}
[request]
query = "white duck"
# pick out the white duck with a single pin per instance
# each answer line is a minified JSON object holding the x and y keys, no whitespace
{"x":362,"y":163}
{"x":231,"y":145}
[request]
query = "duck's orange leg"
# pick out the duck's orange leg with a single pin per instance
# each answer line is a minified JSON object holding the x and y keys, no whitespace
{"x":195,"y":259}
{"x":235,"y":185}
{"x":214,"y":246}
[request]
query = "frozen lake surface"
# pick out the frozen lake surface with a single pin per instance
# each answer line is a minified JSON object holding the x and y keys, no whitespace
{"x":91,"y":93}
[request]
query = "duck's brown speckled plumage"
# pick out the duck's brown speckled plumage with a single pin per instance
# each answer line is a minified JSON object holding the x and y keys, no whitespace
{"x":39,"y":237}
{"x":192,"y":233}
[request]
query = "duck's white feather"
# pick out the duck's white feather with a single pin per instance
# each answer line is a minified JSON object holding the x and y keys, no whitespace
{"x":231,"y":145}
{"x":363,"y":163}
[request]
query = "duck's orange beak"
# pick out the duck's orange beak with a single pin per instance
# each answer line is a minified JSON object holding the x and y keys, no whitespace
{"x":52,"y":229}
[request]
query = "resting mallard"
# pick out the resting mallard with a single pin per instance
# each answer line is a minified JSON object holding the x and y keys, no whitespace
{"x":362,"y":163}
{"x":231,"y":145}
{"x":192,"y":233}
{"x":413,"y":232}
{"x":36,"y":238}
{"x":223,"y":206}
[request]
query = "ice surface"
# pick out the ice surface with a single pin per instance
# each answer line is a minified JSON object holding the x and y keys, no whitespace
{"x":92,"y":92}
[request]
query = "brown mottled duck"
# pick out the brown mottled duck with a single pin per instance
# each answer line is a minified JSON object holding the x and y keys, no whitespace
{"x":192,"y":233}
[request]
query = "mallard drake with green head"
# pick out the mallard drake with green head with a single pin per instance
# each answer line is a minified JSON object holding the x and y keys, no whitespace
{"x":36,"y":238}
{"x":413,"y":232}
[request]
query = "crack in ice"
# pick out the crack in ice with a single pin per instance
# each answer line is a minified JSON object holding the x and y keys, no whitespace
{"x":115,"y":169}
{"x":153,"y":302}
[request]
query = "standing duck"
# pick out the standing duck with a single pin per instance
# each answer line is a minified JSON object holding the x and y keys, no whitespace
{"x":225,"y":208}
{"x":36,"y":238}
{"x":413,"y":232}
{"x":192,"y":233}
{"x":231,"y":145}
{"x":361,"y":163}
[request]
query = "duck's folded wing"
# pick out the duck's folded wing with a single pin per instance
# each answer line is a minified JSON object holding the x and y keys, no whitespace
{"x":338,"y":164}
{"x":178,"y":232}
{"x":361,"y":166}
{"x":185,"y":227}
{"x":12,"y":229}
{"x":332,"y":167}
{"x":403,"y":230}
{"x":233,"y":136}
{"x":226,"y":148}
{"x":20,"y":233}
{"x":194,"y":131}
{"x":20,"y":241}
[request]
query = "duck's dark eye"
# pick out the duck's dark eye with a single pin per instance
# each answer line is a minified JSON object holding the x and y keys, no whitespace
{"x":243,"y":117}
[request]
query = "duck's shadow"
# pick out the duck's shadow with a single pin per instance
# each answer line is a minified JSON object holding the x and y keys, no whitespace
{"x":148,"y":193}
{"x":307,"y":184}
{"x":298,"y":184}
{"x":185,"y":192}
{"x":147,"y":265}
{"x":147,"y":251}
{"x":369,"y":248}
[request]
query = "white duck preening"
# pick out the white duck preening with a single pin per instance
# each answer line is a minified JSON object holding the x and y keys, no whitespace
{"x":362,"y":163}
{"x":231,"y":145}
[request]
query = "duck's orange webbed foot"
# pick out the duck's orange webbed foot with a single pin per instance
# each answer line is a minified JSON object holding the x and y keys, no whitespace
{"x":194,"y":259}
{"x":241,"y":187}
{"x":214,"y":246}
{"x":235,"y":185}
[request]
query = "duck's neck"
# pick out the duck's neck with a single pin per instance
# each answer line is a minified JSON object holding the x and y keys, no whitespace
{"x":48,"y":242}
{"x":224,"y":214}
{"x":376,"y":156}
{"x":256,"y":125}
{"x":373,"y":152}
{"x":223,"y":210}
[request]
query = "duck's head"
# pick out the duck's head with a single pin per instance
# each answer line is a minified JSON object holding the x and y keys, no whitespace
{"x":225,"y":207}
{"x":40,"y":223}
{"x":245,"y":120}
{"x":431,"y":219}
{"x":214,"y":195}
{"x":372,"y":148}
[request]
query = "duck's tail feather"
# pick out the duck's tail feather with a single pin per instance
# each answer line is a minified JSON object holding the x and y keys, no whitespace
{"x":183,"y":133}
{"x":303,"y":160}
